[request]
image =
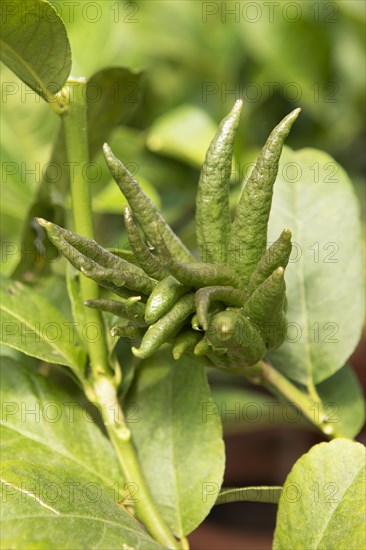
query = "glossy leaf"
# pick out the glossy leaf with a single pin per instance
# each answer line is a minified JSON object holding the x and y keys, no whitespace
{"x":44,"y":422}
{"x":112,"y":95}
{"x":35,"y":45}
{"x":50,"y":508}
{"x":314,"y":198}
{"x":323,"y":500}
{"x":29,"y":129}
{"x":33,"y":325}
{"x":343,"y":400}
{"x":178,"y":437}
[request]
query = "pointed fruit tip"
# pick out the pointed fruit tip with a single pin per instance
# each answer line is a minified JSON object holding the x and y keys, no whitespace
{"x":134,"y":298}
{"x":42,"y":222}
{"x":149,"y":319}
{"x":107,"y":151}
{"x":238,"y":105}
{"x":197,"y":349}
{"x":140,"y":354}
{"x":287,"y":122}
{"x":294,"y":114}
{"x":279,"y":273}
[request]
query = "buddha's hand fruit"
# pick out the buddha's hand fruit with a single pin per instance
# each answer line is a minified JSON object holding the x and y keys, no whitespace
{"x":226,"y":308}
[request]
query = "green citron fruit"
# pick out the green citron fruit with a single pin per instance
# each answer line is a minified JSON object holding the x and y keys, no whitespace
{"x":226,"y":309}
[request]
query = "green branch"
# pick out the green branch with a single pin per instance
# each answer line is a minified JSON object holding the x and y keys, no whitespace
{"x":103,"y":387}
{"x":76,"y":140}
{"x":312,"y":408}
{"x":120,"y":436}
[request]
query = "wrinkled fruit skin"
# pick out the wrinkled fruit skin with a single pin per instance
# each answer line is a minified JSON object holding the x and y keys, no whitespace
{"x":226,"y":312}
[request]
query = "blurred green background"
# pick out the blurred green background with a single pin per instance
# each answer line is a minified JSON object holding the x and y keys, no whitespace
{"x":197,"y":58}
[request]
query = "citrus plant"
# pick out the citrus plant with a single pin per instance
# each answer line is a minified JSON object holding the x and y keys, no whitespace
{"x":122,"y":481}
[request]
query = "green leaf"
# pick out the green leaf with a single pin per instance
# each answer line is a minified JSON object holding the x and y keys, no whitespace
{"x":33,"y":325}
{"x":34,"y":45}
{"x":343,"y":400}
{"x":29,"y":128}
{"x":44,"y":507}
{"x":48,"y":202}
{"x":54,"y":289}
{"x":279,"y":57}
{"x":112,"y":96}
{"x":270,"y":495}
{"x":183,"y":133}
{"x":323,"y":500}
{"x":178,"y":437}
{"x":42,"y":421}
{"x":314,"y":198}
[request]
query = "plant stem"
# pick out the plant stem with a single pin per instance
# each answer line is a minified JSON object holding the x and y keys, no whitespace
{"x":264,"y":374}
{"x":120,"y":436}
{"x":76,"y":140}
{"x":103,"y":386}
